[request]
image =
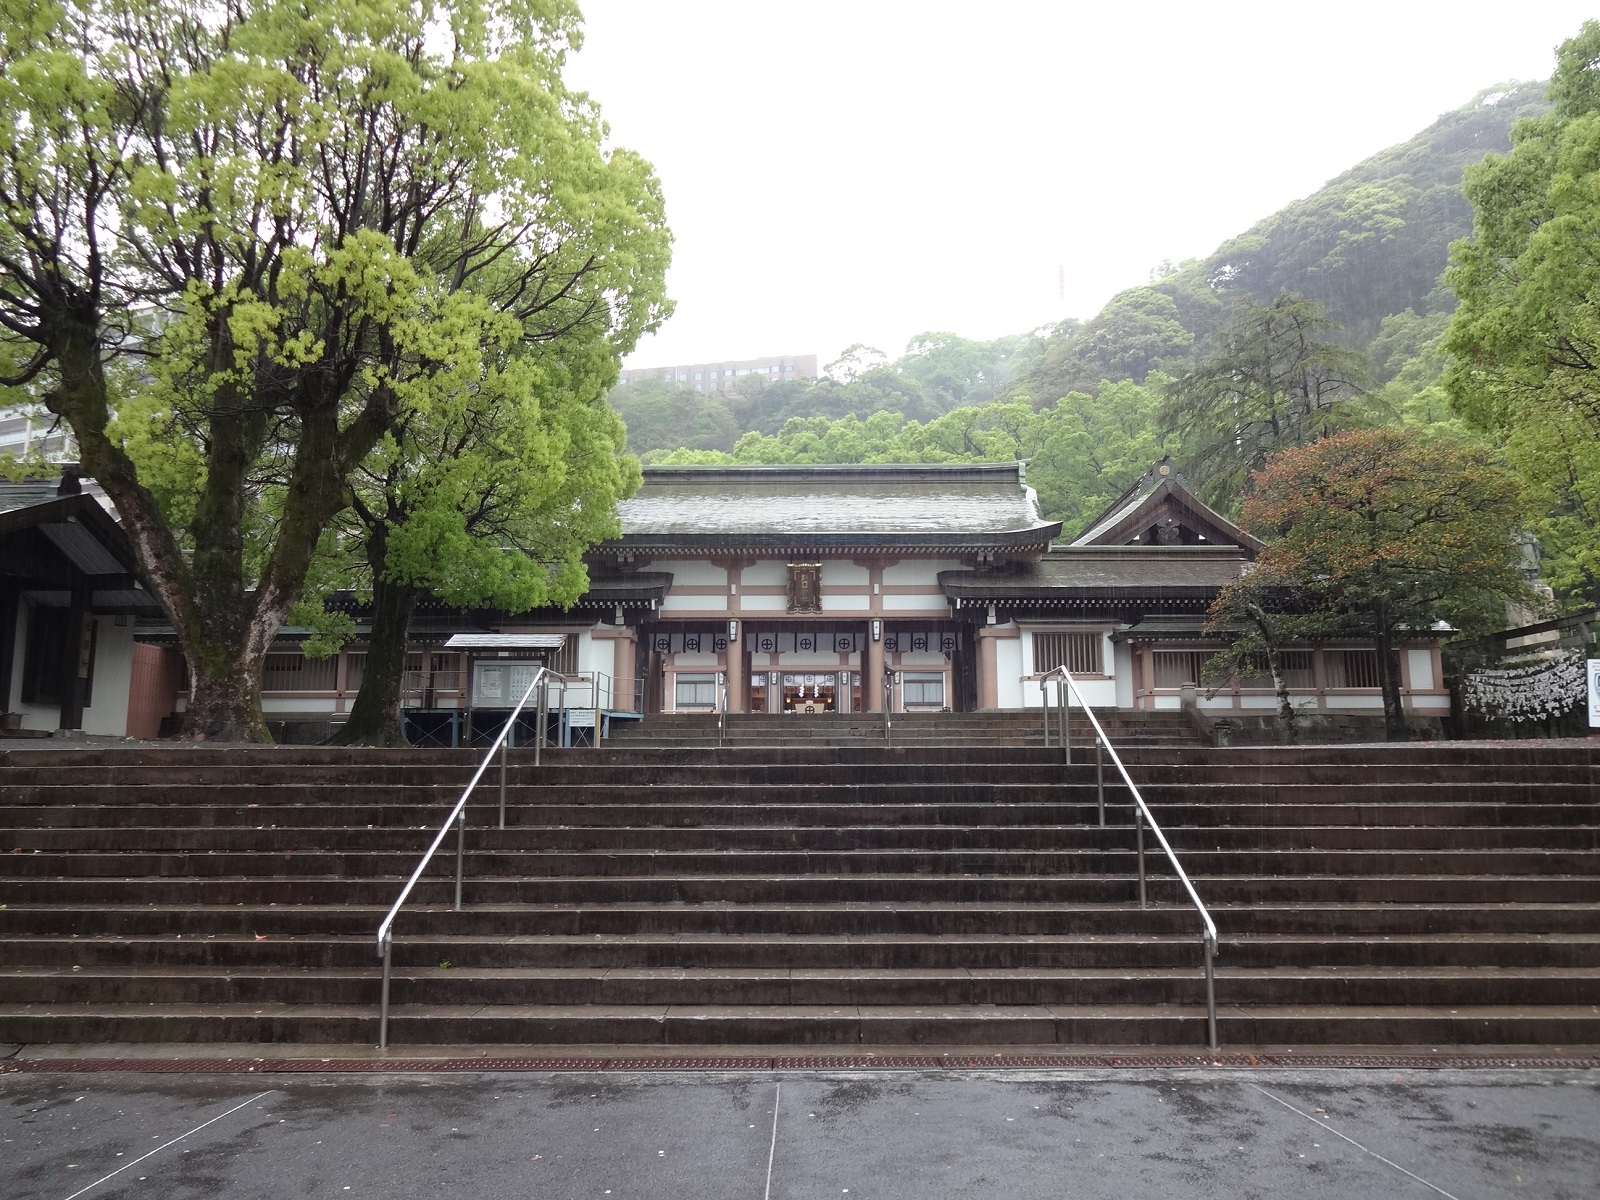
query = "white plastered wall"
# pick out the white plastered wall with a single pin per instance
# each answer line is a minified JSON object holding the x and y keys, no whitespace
{"x":1008,"y":665}
{"x":107,"y":716}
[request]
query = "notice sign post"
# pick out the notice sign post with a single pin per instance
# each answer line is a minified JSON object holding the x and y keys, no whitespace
{"x":1594,"y":693}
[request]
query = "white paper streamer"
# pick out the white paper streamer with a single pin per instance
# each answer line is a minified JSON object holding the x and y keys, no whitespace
{"x":1532,"y":693}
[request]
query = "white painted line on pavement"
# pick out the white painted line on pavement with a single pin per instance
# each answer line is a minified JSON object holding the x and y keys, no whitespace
{"x":1329,"y":1128}
{"x":164,"y":1145}
{"x":772,"y":1151}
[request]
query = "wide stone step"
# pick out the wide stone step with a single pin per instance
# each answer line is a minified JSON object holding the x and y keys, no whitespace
{"x":982,"y":838}
{"x":793,"y":867}
{"x":270,"y":822}
{"x":798,"y":791}
{"x":1378,"y":919}
{"x":933,"y":892}
{"x":948,"y":1025}
{"x":249,"y":952}
{"x":718,"y":769}
{"x":681,"y":898}
{"x":1499,"y":755}
{"x":456,"y":985}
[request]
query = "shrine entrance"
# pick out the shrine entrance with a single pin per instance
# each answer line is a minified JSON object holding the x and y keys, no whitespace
{"x":812,"y":692}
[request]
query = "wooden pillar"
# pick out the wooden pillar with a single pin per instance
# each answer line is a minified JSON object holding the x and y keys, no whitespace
{"x":77,"y":658}
{"x":624,"y":666}
{"x":872,"y":681}
{"x":738,"y":677}
{"x":988,"y":669}
{"x":10,"y":596}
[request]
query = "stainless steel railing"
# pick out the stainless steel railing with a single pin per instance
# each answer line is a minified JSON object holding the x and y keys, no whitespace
{"x":458,"y":818}
{"x":722,"y":707}
{"x":1141,"y":814}
{"x":889,"y":678}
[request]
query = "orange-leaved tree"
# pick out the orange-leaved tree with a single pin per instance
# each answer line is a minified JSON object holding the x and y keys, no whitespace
{"x":1378,"y":533}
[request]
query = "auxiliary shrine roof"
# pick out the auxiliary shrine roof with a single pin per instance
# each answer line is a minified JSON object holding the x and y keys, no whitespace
{"x":1105,"y":573}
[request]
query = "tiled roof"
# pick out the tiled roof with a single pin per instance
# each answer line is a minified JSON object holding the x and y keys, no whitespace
{"x":25,"y":493}
{"x":880,"y":503}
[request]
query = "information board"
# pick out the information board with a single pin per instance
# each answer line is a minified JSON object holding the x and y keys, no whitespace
{"x":1594,"y":693}
{"x":500,"y":684}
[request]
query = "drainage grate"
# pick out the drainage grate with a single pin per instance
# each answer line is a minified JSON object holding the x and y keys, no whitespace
{"x":851,"y":1062}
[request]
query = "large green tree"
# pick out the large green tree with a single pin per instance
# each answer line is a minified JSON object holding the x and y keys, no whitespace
{"x":1526,"y":338}
{"x":486,"y":500}
{"x":1380,"y":532}
{"x":280,"y":228}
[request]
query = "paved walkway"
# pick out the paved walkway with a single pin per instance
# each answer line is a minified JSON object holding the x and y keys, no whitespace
{"x":1229,"y":1134}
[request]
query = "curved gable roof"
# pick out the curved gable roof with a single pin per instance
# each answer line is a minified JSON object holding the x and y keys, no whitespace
{"x":1162,"y":491}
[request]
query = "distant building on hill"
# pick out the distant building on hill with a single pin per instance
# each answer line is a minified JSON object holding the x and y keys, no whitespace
{"x":714,"y":377}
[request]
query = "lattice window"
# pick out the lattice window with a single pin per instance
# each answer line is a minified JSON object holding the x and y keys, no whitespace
{"x":1353,"y":669}
{"x":1295,"y":665}
{"x":1174,"y":668}
{"x":294,"y":672}
{"x":1079,"y":653}
{"x":565,"y":660}
{"x":446,"y":672}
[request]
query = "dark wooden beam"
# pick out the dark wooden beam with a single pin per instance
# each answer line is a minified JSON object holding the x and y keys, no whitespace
{"x":78,"y":660}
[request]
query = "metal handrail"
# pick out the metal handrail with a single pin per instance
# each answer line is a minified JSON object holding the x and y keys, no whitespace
{"x":888,"y":705}
{"x":458,"y":818}
{"x":722,"y":707}
{"x":1142,"y":813}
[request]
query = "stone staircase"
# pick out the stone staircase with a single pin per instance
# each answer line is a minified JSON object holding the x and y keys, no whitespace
{"x":1013,"y":728}
{"x":803,"y":894}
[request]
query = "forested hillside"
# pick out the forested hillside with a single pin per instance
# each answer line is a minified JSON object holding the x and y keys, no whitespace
{"x":1328,"y":314}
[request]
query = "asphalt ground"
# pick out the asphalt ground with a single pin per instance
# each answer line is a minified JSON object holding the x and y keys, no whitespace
{"x":885,"y":1135}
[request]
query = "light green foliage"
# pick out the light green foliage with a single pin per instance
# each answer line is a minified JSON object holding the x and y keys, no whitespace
{"x":1526,"y":338}
{"x":321,"y":227}
{"x":490,"y":499}
{"x":1558,"y":460}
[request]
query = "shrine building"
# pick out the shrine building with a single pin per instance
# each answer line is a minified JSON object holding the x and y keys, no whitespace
{"x":795,"y":589}
{"x":773,"y":589}
{"x":799,"y":586}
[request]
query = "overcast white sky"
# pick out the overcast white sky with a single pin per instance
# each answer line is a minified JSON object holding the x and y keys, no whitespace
{"x":865,"y":171}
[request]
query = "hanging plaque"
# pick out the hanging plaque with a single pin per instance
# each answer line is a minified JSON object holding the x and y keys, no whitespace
{"x":805,"y":587}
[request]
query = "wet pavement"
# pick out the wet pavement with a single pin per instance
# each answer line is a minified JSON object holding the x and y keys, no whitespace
{"x":886,"y":1135}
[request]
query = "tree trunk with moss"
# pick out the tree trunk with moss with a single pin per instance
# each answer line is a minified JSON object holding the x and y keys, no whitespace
{"x":375,"y":716}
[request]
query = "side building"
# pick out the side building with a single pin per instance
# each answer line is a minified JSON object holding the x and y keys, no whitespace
{"x":70,"y":601}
